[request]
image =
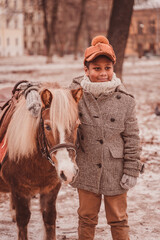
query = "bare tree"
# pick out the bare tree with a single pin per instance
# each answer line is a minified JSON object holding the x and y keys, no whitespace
{"x":50,"y":11}
{"x":88,"y":28}
{"x":77,"y":33}
{"x":119,"y":29}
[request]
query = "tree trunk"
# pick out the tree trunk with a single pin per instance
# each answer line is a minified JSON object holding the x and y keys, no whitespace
{"x":77,"y":33}
{"x":50,"y":10}
{"x":119,"y":29}
{"x":89,"y":38}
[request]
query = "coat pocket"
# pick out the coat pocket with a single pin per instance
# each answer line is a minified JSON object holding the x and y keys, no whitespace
{"x":116,"y":149}
{"x":113,"y":128}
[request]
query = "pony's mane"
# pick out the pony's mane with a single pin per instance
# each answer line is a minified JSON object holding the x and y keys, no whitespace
{"x":21,"y":134}
{"x":63,"y":110}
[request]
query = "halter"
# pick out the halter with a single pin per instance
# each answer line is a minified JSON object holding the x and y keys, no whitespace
{"x":44,"y":146}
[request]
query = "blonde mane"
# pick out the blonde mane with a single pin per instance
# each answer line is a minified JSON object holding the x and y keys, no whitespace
{"x":63,"y":111}
{"x":21,"y":134}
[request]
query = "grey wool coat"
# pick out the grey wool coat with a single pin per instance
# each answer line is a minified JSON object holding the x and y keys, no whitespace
{"x":108,"y":140}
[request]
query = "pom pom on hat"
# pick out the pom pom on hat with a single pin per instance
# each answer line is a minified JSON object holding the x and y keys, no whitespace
{"x":99,"y":39}
{"x":99,"y":46}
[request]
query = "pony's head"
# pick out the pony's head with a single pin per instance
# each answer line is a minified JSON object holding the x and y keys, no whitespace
{"x":58,"y":123}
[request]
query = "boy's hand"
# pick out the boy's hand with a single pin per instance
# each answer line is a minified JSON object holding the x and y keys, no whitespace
{"x":128,"y":182}
{"x":33,"y":103}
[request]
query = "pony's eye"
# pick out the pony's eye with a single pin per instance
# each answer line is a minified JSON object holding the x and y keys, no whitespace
{"x":48,"y":127}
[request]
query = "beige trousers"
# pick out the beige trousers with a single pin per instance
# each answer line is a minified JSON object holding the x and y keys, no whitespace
{"x":115,"y":209}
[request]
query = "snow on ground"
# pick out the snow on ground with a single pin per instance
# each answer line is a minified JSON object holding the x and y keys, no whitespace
{"x":141,"y":77}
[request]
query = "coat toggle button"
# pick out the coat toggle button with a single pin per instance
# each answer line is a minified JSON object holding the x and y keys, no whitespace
{"x":99,"y":165}
{"x":112,"y":119}
{"x":118,"y":97}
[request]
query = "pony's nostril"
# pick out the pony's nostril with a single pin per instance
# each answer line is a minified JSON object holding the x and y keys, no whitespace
{"x":62,"y":175}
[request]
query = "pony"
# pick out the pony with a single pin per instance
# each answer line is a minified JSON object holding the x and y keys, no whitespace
{"x":41,"y":153}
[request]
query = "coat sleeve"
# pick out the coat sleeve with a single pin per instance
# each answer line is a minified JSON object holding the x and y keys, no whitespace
{"x":132,"y":149}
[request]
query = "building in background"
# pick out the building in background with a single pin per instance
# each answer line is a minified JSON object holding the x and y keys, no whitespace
{"x":144,"y":35}
{"x":11,"y":28}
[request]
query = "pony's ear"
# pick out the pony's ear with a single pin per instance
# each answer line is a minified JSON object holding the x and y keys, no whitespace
{"x":46,"y":97}
{"x":77,"y":94}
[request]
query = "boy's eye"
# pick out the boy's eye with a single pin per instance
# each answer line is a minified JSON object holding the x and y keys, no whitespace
{"x":107,"y":68}
{"x":96,"y":68}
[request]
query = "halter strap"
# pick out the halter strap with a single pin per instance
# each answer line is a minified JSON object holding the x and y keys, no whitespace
{"x":68,"y":146}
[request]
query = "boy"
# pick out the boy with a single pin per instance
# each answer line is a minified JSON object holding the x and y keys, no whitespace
{"x":108,"y":156}
{"x":109,"y":153}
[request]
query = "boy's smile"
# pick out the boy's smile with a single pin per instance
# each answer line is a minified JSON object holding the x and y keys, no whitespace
{"x":100,"y":70}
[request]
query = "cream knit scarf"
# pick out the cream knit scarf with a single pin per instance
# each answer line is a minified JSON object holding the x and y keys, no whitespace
{"x":97,"y":88}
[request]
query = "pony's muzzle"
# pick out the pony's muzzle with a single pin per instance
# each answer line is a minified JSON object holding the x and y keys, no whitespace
{"x":69,"y":179}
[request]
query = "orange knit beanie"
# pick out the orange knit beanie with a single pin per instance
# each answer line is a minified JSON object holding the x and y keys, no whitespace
{"x":99,"y":46}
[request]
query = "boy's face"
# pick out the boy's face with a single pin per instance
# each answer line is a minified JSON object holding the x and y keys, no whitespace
{"x":100,"y":70}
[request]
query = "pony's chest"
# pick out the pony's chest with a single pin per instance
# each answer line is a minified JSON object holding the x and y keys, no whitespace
{"x":30,"y":178}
